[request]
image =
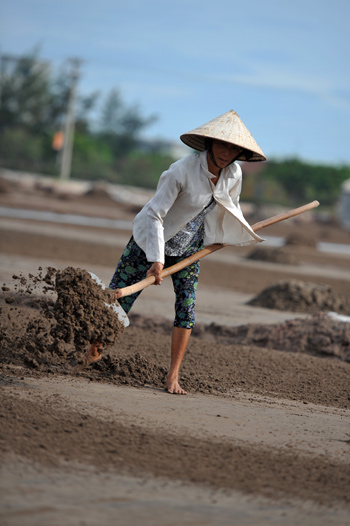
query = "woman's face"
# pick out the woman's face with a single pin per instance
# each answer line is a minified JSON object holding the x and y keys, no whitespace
{"x":224,"y":152}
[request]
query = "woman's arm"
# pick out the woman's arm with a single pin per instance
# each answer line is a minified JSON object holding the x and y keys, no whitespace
{"x":168,"y":189}
{"x":156,"y":270}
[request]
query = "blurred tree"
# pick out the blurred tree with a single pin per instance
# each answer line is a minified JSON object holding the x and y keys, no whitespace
{"x":121,"y":125}
{"x":301,"y":181}
{"x":25,"y":95}
{"x":33,"y":108}
{"x":111,"y":113}
{"x":32,"y":98}
{"x":93,"y":159}
{"x":21,"y":149}
{"x":143,"y":169}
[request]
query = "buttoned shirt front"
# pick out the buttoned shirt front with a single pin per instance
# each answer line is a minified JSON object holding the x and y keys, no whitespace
{"x":182,"y":192}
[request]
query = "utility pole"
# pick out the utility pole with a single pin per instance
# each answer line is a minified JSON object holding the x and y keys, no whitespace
{"x":67,"y":151}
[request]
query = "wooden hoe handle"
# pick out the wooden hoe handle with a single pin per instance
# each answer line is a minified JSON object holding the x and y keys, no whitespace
{"x":285,"y":215}
{"x":127,"y":291}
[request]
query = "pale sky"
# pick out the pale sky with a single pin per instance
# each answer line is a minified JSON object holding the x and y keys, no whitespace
{"x":283,"y":66}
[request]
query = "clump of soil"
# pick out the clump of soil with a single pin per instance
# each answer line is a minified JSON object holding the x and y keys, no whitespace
{"x":54,"y":316}
{"x":80,"y":311}
{"x":301,"y":296}
{"x":273,"y":255}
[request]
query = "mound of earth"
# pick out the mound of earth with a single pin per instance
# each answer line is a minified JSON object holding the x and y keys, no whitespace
{"x":300,"y":239}
{"x":320,"y":335}
{"x":301,"y":296}
{"x":98,"y":191}
{"x":48,"y":321}
{"x":54,"y":316}
{"x":5,"y":186}
{"x":272,"y":255}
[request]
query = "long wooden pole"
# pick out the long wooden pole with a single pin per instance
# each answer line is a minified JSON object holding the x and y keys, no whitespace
{"x":285,"y":215}
{"x":127,"y":291}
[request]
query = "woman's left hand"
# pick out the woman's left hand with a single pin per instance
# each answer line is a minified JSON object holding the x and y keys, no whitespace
{"x":156,"y":270}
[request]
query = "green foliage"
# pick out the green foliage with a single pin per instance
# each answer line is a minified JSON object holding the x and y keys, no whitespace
{"x":299,"y":182}
{"x":33,"y":99}
{"x":20,"y":149}
{"x":33,"y":107}
{"x":93,"y":159}
{"x":25,"y":97}
{"x":143,"y":169}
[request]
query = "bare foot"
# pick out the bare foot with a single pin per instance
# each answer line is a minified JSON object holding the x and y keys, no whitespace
{"x":173,"y":386}
{"x":94,"y":353}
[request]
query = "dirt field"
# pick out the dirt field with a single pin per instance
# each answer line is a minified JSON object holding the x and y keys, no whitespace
{"x":263,"y":435}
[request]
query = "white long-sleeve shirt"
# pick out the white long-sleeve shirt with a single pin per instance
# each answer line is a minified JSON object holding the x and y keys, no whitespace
{"x":182,"y":192}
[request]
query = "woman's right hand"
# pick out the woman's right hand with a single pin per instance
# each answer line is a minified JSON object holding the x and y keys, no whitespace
{"x":156,"y":270}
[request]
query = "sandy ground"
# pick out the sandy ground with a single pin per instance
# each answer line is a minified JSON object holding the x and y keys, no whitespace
{"x":262,"y":437}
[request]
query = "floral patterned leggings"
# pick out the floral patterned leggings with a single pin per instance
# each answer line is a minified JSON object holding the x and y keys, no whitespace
{"x":133,"y":267}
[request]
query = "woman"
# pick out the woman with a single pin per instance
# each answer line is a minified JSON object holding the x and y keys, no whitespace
{"x":196,"y":204}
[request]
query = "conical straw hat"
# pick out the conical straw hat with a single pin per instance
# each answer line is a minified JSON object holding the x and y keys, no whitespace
{"x":229,"y":128}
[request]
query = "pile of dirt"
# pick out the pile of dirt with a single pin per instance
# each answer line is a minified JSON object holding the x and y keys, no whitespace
{"x":270,"y":360}
{"x":300,"y":239}
{"x":301,"y":296}
{"x":5,"y":186}
{"x":54,"y":316}
{"x":98,"y":191}
{"x":273,"y":255}
{"x":48,"y":321}
{"x":319,"y":335}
